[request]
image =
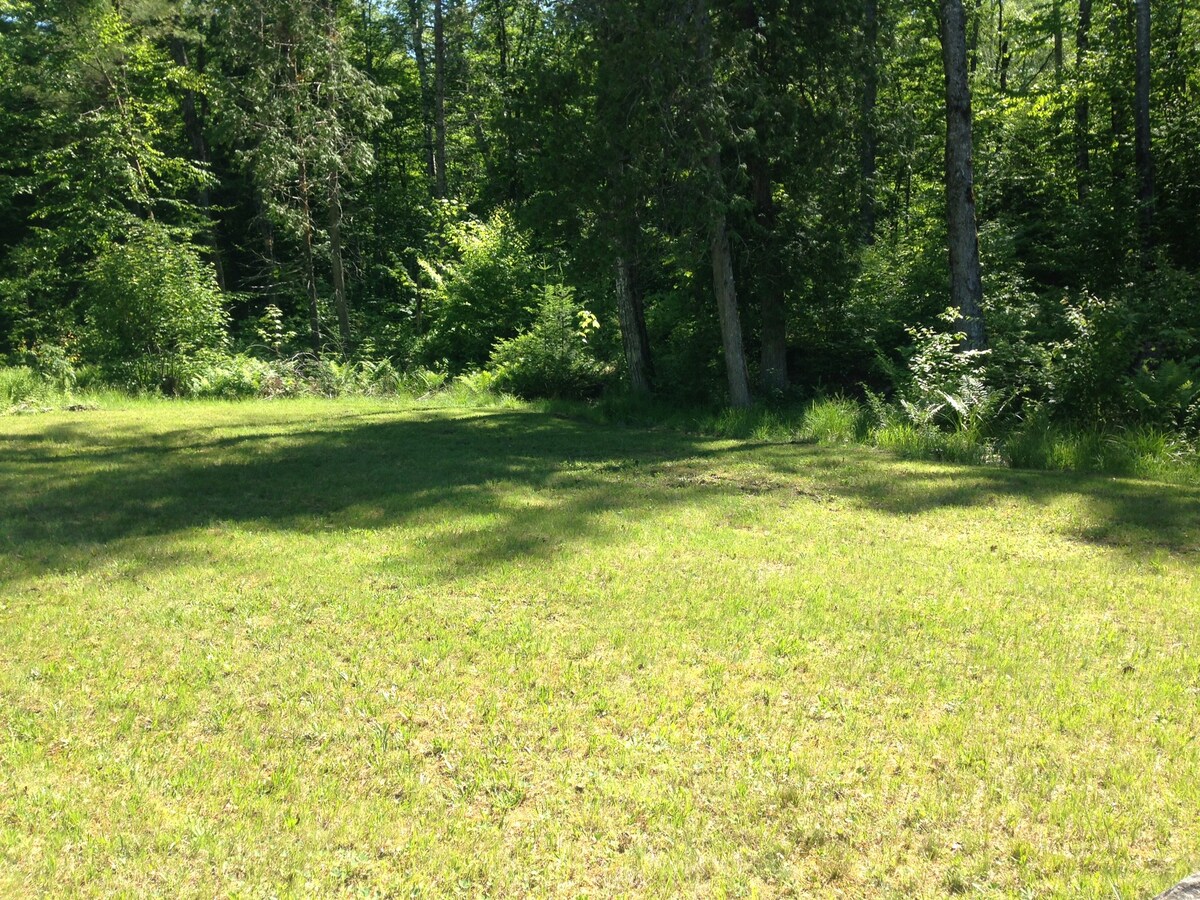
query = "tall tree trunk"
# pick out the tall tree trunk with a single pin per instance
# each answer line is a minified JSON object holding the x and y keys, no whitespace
{"x":766,"y":283}
{"x":1143,"y":155}
{"x":727,"y":305}
{"x":341,"y":302}
{"x":615,"y":101}
{"x":509,"y":180}
{"x":270,"y":262}
{"x":632,"y":317}
{"x":439,"y":98}
{"x":416,"y":12}
{"x":966,"y":285}
{"x":1083,"y":37}
{"x":724,"y":284}
{"x":869,"y":149}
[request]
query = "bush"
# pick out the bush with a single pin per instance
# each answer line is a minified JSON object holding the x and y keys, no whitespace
{"x":152,"y":305}
{"x":53,"y":364}
{"x":481,"y":296}
{"x":1090,"y":366}
{"x":1168,"y":396}
{"x":231,"y":377}
{"x":553,"y":358}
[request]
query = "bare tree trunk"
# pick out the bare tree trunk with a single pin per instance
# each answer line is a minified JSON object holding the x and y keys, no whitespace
{"x":869,"y":149}
{"x":1083,"y":36}
{"x":966,"y":285}
{"x":270,"y":262}
{"x":727,"y":305}
{"x":724,"y":284}
{"x":632,"y":317}
{"x":1143,"y":155}
{"x":439,"y":99}
{"x":1118,"y":101}
{"x":765,"y":280}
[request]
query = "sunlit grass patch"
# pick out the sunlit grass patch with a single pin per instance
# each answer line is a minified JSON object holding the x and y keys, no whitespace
{"x":365,"y":647}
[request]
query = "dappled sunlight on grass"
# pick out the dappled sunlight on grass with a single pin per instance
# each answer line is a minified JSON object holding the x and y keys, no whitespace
{"x":320,"y":647}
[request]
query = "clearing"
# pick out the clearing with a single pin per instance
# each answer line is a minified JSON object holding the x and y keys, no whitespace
{"x":358,"y":647}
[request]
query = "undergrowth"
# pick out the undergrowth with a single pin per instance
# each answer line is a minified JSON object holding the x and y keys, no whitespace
{"x":1143,"y":451}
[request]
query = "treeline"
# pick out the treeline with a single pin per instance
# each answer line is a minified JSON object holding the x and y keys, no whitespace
{"x":990,"y":206}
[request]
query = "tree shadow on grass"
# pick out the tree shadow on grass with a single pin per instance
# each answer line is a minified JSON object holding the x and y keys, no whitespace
{"x":497,"y":485}
{"x":1134,"y":515}
{"x":518,"y":483}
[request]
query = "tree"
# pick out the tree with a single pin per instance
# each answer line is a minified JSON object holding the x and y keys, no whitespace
{"x":1143,"y":155}
{"x":1082,"y":149}
{"x":716,"y":198}
{"x":300,"y":112}
{"x":966,"y":285}
{"x":869,"y":147}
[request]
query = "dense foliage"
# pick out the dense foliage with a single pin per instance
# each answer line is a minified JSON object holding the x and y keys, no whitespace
{"x":442,"y":184}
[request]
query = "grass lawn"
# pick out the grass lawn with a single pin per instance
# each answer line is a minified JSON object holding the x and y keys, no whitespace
{"x":363,"y":648}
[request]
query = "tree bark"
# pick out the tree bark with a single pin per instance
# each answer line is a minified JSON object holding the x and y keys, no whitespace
{"x":616,"y":98}
{"x":966,"y":285}
{"x":724,"y":284}
{"x":632,"y":317}
{"x":727,"y":305}
{"x":869,"y":149}
{"x":765,"y":281}
{"x":1083,"y":37}
{"x":439,"y":99}
{"x":1142,"y":147}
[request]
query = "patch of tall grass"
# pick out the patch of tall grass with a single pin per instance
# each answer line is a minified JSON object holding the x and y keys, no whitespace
{"x":1137,"y":451}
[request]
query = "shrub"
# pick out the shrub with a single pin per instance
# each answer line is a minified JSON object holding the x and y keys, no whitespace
{"x":53,"y":364}
{"x":553,"y":358}
{"x":1168,"y":396}
{"x":231,"y":377}
{"x":151,"y":306}
{"x":482,"y":295}
{"x":1089,"y":367}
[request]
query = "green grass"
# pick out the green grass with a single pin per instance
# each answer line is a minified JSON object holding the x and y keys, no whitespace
{"x":367,"y":648}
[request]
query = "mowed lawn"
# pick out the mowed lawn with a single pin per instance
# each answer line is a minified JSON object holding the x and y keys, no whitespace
{"x":359,"y":648}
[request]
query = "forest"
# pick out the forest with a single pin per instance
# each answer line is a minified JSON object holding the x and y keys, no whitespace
{"x":728,"y":203}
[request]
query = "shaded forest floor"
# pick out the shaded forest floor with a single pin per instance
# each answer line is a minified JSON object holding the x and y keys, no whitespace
{"x":357,"y":647}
